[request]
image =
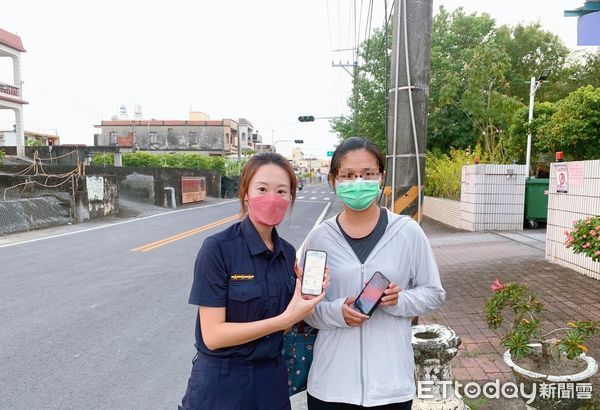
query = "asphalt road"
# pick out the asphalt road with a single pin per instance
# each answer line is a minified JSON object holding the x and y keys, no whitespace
{"x":98,"y":317}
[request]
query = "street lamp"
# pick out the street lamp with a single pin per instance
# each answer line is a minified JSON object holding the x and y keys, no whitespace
{"x":533,"y":86}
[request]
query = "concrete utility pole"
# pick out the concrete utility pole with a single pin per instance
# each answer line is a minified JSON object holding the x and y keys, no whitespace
{"x":407,"y":114}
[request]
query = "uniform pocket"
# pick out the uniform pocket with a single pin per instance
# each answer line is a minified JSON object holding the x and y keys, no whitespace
{"x":245,"y":303}
{"x":200,"y":385}
{"x":244,"y":293}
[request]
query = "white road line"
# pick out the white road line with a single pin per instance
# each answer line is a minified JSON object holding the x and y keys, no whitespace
{"x":313,"y":197}
{"x":115,"y":224}
{"x":300,"y":197}
{"x":326,"y":199}
{"x":317,"y":222}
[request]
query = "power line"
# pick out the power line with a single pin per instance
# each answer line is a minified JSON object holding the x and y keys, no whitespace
{"x":339,"y":26}
{"x":357,"y":28}
{"x":328,"y":24}
{"x":368,"y":28}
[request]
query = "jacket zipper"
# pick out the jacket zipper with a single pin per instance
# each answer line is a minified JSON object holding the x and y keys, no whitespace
{"x":344,"y":244}
{"x":362,"y":379}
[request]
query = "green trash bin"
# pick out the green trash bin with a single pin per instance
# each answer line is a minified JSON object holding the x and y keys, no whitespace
{"x":536,"y":201}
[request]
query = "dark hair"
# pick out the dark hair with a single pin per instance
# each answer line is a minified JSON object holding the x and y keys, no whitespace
{"x":353,"y":144}
{"x":254,"y":164}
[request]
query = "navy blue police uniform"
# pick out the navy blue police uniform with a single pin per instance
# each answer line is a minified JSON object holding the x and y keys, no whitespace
{"x":235,"y":270}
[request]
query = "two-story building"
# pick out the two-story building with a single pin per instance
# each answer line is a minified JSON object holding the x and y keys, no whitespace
{"x":198,"y":134}
{"x":11,"y":97}
{"x":9,"y":138}
{"x":247,"y":134}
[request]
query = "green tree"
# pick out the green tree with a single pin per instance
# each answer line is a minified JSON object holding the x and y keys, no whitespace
{"x":468,"y":68}
{"x":581,"y":69}
{"x":179,"y":160}
{"x":575,"y":126}
{"x":588,"y":72}
{"x":479,"y":79}
{"x":454,"y":37}
{"x":370,"y":86}
{"x":485,"y":100}
{"x":2,"y":158}
{"x":34,"y":143}
{"x":444,"y":171}
{"x":515,"y":142}
{"x":103,"y":159}
{"x":143,"y":159}
{"x":530,"y":50}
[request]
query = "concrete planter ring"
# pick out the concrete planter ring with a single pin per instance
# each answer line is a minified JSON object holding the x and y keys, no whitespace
{"x":434,"y":346}
{"x":552,"y":401}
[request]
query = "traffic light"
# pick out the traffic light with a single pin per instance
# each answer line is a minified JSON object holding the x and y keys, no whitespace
{"x":298,"y":141}
{"x":306,"y":118}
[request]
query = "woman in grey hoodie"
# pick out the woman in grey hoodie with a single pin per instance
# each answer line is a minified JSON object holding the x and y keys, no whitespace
{"x":360,"y":361}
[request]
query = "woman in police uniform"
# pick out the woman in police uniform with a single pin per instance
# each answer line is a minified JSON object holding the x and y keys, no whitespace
{"x":247,"y":295}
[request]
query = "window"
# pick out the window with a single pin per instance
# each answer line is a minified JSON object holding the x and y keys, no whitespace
{"x":194,"y":139}
{"x":244,"y":136}
{"x":113,"y":138}
{"x":153,"y":137}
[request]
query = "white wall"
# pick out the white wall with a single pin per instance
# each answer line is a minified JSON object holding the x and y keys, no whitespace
{"x":581,"y":200}
{"x":492,"y":197}
{"x":443,"y":210}
{"x":8,"y":138}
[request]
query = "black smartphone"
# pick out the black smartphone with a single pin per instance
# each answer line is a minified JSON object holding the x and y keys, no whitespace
{"x":369,"y":298}
{"x":314,"y":272}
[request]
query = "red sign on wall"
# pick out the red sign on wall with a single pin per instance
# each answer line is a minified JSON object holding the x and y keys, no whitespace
{"x":125,"y":141}
{"x":193,"y":189}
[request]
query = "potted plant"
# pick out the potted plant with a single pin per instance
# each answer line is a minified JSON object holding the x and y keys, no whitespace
{"x":557,"y":370}
{"x":585,"y":237}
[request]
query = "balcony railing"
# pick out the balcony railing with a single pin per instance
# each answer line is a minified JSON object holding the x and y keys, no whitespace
{"x":10,"y":90}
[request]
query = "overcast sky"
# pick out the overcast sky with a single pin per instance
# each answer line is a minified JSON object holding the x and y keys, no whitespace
{"x":268,"y":61}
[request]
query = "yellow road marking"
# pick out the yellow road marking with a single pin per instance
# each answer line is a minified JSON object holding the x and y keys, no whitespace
{"x":182,"y":235}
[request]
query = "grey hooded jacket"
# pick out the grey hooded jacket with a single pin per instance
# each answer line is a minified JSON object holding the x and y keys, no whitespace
{"x":371,"y":365}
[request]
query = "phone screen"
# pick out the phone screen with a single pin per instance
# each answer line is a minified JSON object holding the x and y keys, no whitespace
{"x":314,"y":269}
{"x":372,"y":293}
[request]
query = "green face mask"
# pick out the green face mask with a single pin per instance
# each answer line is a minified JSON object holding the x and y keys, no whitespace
{"x":358,"y":194}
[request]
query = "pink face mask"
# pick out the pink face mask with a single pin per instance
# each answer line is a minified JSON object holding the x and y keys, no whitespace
{"x":268,"y":209}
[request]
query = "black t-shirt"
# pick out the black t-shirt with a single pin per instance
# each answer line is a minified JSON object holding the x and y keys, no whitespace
{"x":363,"y":246}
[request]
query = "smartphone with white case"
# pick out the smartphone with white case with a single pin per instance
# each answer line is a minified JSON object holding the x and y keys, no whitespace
{"x":314,"y":272}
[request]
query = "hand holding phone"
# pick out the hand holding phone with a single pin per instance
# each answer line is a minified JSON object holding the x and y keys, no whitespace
{"x":370,"y":297}
{"x":351,"y":315}
{"x":313,"y":272}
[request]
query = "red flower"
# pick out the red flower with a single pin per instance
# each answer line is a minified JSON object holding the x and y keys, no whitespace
{"x":496,"y":285}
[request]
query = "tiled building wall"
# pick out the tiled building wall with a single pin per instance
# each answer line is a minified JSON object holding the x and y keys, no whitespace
{"x":443,"y":210}
{"x":492,"y":197}
{"x":581,"y":200}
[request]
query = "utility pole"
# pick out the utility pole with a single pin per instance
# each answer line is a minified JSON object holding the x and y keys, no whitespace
{"x":533,"y":86}
{"x":407,"y":114}
{"x":353,"y":73}
{"x":239,"y":147}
